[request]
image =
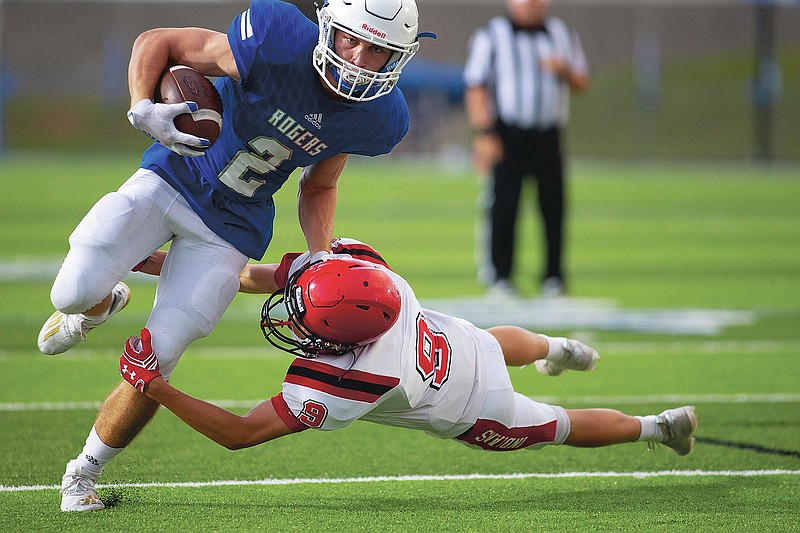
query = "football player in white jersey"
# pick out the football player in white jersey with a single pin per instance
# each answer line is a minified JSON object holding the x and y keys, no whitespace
{"x":296,"y":94}
{"x":365,"y":349}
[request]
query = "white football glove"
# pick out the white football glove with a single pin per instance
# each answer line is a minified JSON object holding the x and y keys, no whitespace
{"x":566,"y":354}
{"x":157,"y":122}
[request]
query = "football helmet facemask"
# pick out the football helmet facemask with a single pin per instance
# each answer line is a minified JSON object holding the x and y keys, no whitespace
{"x":390,"y":24}
{"x":333,"y":307}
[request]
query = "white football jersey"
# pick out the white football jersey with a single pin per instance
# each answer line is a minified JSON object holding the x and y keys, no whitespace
{"x":425,"y":373}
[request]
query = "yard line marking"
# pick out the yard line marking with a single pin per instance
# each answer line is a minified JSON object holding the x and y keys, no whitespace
{"x":756,"y":346}
{"x":557,"y":400}
{"x":671,"y":398}
{"x":463,"y":477}
{"x":706,"y":347}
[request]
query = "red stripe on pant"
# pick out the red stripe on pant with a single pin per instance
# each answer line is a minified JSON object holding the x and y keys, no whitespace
{"x":494,"y":436}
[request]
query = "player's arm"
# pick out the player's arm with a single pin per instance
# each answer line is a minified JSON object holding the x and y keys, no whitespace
{"x":316,"y":201}
{"x":552,"y":355}
{"x":206,"y":51}
{"x":139,"y":366}
{"x":230,"y":430}
{"x":253,"y":279}
{"x":258,"y":279}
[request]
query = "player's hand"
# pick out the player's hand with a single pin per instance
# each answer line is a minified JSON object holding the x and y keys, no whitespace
{"x":566,"y":354}
{"x":138,"y":364}
{"x":581,"y":356}
{"x":157,"y":121}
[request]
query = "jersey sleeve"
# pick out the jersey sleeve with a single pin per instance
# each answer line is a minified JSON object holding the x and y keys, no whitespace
{"x":286,"y":414}
{"x":326,"y":397}
{"x":282,"y":272}
{"x":268,"y":31}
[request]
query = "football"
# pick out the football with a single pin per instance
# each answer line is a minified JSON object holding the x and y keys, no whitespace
{"x":184,"y":84}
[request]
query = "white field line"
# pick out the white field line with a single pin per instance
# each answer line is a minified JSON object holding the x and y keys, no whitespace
{"x":765,"y":346}
{"x":558,"y":400}
{"x":380,"y":479}
{"x":760,"y":346}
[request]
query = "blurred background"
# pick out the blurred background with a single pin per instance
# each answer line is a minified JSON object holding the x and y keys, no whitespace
{"x":672,"y":79}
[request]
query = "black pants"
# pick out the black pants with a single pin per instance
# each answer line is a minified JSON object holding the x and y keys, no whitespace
{"x":536,"y":154}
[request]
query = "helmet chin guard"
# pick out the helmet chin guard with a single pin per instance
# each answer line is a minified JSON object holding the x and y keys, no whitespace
{"x":334,"y":306}
{"x":390,"y":24}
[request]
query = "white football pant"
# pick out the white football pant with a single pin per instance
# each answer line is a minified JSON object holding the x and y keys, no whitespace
{"x":200,"y":275}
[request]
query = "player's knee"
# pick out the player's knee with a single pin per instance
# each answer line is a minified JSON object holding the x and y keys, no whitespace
{"x":75,"y":292}
{"x":172,"y":332}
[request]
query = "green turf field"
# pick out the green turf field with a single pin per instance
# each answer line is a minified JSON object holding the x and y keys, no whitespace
{"x":679,"y":238}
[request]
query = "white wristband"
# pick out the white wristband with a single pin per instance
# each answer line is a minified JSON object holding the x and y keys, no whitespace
{"x":555,"y":348}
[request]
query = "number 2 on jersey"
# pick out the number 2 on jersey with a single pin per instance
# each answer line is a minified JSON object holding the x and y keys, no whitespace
{"x":433,"y":354}
{"x":238,"y":175}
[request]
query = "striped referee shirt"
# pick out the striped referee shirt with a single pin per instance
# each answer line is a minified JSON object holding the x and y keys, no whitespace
{"x":507,"y":61}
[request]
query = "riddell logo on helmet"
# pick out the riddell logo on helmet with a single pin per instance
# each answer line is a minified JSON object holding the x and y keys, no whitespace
{"x":374,"y":31}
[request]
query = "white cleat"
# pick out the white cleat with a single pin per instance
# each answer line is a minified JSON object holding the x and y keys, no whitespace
{"x":575,"y":356}
{"x":62,"y":332}
{"x":77,"y":491}
{"x":678,"y":426}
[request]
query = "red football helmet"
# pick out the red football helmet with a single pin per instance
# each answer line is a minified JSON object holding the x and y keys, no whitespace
{"x":333,"y":306}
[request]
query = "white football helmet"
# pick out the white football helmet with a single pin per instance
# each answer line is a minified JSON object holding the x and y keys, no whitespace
{"x":390,"y":24}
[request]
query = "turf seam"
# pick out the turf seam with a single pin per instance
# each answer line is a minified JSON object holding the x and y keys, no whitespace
{"x":750,"y":447}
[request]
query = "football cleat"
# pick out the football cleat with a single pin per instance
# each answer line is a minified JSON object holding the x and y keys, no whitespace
{"x":575,"y":356}
{"x":77,"y":490}
{"x":678,"y":426}
{"x":62,"y":332}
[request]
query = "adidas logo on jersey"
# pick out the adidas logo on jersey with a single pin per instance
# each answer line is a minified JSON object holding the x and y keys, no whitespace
{"x":315,"y":119}
{"x":297,"y":134}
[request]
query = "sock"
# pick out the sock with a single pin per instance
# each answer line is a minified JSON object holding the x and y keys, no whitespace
{"x":96,"y":454}
{"x":650,"y":431}
{"x":95,"y":320}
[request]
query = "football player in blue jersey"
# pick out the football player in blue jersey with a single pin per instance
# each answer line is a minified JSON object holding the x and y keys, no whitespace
{"x":295,"y":94}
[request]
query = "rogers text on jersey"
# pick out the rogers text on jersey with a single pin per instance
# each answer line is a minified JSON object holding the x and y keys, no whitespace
{"x":296,"y":133}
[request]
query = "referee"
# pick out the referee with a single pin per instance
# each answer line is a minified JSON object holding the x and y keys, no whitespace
{"x":519,"y":73}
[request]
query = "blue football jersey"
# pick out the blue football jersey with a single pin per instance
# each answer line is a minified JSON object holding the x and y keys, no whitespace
{"x":278,"y":118}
